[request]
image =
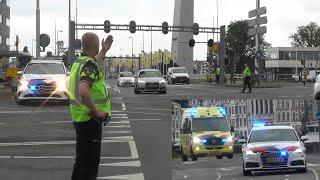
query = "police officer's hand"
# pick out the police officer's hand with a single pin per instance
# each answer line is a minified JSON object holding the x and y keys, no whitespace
{"x":106,"y":44}
{"x":100,"y":114}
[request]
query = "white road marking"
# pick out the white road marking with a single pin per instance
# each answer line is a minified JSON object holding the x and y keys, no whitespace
{"x":315,"y":173}
{"x":149,"y":108}
{"x":145,"y":119}
{"x":134,"y":112}
{"x":219,"y":176}
{"x":121,"y":117}
{"x":119,"y":114}
{"x":55,"y":122}
{"x":27,"y":112}
{"x":117,"y":126}
{"x":286,"y":177}
{"x":138,"y":176}
{"x":185,"y":176}
{"x":313,"y":165}
{"x":123,"y":164}
{"x":117,"y":132}
{"x":2,"y":124}
{"x":119,"y":138}
{"x":120,"y":122}
{"x":60,"y":157}
{"x":123,"y":107}
{"x":133,"y":149}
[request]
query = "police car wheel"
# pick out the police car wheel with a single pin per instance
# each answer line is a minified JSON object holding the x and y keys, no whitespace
{"x":246,"y":173}
{"x":219,"y":156}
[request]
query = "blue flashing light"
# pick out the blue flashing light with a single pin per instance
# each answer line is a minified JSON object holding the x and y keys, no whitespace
{"x":33,"y":88}
{"x":224,"y":140}
{"x":222,"y":110}
{"x":283,"y":153}
{"x":193,"y":112}
{"x":204,"y":141}
{"x":258,"y":125}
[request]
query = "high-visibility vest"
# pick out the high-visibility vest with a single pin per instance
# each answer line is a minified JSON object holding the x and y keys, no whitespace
{"x":218,"y":71}
{"x":247,"y":72}
{"x":79,"y":111}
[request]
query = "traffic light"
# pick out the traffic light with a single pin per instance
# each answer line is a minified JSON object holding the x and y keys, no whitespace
{"x":210,"y":43}
{"x":192,"y":42}
{"x":132,"y":27}
{"x":195,"y":28}
{"x":165,"y":28}
{"x":107,"y":26}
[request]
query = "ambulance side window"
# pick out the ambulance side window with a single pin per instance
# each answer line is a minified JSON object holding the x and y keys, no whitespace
{"x":185,"y":126}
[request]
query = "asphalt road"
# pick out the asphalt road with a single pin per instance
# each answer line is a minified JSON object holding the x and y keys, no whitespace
{"x":38,"y":142}
{"x":210,"y":168}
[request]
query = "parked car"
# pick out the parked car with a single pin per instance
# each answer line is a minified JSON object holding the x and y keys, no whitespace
{"x":43,"y":80}
{"x":149,"y":80}
{"x":295,"y":78}
{"x":125,"y":79}
{"x":178,"y":75}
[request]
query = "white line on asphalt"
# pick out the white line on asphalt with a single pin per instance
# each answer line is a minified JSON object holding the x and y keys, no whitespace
{"x":286,"y":177}
{"x":119,"y":114}
{"x":123,"y":107}
{"x":117,"y":132}
{"x":117,"y":126}
{"x":27,"y":112}
{"x":119,"y":122}
{"x":129,"y":109}
{"x":55,"y":122}
{"x":138,"y":176}
{"x":219,"y":176}
{"x":145,"y":119}
{"x":119,"y":138}
{"x":122,"y":117}
{"x":133,"y":149}
{"x":2,"y":124}
{"x":123,"y":164}
{"x":59,"y":157}
{"x":315,"y":173}
{"x":149,"y":113}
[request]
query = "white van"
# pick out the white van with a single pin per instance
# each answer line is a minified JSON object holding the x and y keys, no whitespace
{"x":178,"y":75}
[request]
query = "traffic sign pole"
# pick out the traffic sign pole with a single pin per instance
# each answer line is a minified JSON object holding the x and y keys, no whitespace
{"x":256,"y":63}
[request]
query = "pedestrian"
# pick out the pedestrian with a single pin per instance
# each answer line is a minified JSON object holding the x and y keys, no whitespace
{"x":247,"y":78}
{"x":90,"y":106}
{"x":218,"y":72}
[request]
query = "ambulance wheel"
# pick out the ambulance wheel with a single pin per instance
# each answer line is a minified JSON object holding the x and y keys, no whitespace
{"x":230,"y":156}
{"x":183,"y":157}
{"x":219,"y":156}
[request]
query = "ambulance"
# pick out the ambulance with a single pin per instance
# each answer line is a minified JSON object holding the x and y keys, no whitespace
{"x":204,"y":131}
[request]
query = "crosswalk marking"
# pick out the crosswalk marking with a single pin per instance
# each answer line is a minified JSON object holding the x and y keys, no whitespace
{"x":123,"y":164}
{"x":138,"y":176}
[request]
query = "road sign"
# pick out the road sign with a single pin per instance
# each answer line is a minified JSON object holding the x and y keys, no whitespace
{"x":318,"y":116}
{"x":260,"y":31}
{"x":12,"y":72}
{"x":257,"y":21}
{"x":257,"y":12}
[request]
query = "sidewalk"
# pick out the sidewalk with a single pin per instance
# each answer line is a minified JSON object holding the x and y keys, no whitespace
{"x":5,"y":92}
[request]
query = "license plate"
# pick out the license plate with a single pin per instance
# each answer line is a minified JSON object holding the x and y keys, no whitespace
{"x":274,"y":160}
{"x":44,"y":92}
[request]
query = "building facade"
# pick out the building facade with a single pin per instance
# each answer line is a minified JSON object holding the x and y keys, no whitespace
{"x":287,"y":60}
{"x":4,"y":25}
{"x":200,"y":67}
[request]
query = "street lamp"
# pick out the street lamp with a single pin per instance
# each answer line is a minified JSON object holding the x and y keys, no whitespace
{"x":57,"y":40}
{"x":33,"y":40}
{"x":132,"y":53}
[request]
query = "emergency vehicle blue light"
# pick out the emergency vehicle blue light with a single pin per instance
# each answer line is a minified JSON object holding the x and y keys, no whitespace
{"x":193,"y":112}
{"x":222,"y":111}
{"x":258,"y":125}
{"x":33,"y":88}
{"x":283,"y":153}
{"x":204,"y":141}
{"x":224,"y":140}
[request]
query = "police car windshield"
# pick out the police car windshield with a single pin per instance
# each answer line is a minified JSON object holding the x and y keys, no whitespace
{"x":210,"y":124}
{"x":45,"y":68}
{"x":144,"y":74}
{"x":126,"y":74}
{"x":179,"y":70}
{"x":268,"y":135}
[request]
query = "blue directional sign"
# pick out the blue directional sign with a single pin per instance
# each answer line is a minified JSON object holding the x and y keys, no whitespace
{"x":318,"y":116}
{"x":259,"y":55}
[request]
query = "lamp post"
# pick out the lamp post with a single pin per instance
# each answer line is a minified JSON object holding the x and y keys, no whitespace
{"x":57,"y":40}
{"x":131,"y":53}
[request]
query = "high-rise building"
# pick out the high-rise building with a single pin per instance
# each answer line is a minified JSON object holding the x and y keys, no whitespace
{"x":183,"y":16}
{"x":4,"y":25}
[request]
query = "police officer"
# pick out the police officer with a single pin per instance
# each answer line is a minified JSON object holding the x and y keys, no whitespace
{"x":218,"y":72}
{"x":247,"y":78}
{"x":89,"y":106}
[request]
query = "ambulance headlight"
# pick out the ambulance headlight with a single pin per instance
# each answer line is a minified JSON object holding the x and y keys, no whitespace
{"x":196,"y":140}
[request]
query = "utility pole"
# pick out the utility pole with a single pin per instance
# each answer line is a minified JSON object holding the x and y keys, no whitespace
{"x":76,"y":18}
{"x":151,"y":53}
{"x":256,"y":63}
{"x":70,"y":39}
{"x":38,"y":30}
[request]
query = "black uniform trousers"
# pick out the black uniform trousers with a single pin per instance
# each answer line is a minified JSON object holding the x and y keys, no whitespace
{"x":247,"y":82}
{"x":217,"y":78}
{"x":88,"y":150}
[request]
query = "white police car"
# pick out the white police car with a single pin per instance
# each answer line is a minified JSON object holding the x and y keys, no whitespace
{"x":273,"y":148}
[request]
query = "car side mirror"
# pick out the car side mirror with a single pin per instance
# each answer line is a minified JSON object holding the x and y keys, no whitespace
{"x":232,"y":129}
{"x":303,"y":138}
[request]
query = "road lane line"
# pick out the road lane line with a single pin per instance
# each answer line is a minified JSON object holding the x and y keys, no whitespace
{"x":55,"y":122}
{"x":27,"y":112}
{"x":129,"y":109}
{"x":60,"y":157}
{"x":121,"y":117}
{"x":138,"y":176}
{"x":123,"y":107}
{"x":219,"y":176}
{"x":2,"y":124}
{"x":123,"y":164}
{"x":315,"y":173}
{"x":119,"y":122}
{"x":118,"y":132}
{"x":149,"y":113}
{"x":133,"y":149}
{"x":117,"y":126}
{"x":145,"y":119}
{"x":286,"y":177}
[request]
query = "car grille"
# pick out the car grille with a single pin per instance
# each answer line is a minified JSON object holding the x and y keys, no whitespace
{"x":152,"y":85}
{"x":181,"y":79}
{"x":214,"y":141}
{"x":41,"y":85}
{"x":273,"y":159}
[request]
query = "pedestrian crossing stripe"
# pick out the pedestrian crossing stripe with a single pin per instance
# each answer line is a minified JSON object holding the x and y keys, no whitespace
{"x":123,"y":164}
{"x":138,"y":176}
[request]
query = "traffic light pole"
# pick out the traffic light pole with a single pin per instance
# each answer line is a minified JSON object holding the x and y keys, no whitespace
{"x":256,"y":62}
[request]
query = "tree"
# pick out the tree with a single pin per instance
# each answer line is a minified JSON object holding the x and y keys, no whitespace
{"x":25,"y":49}
{"x":240,"y":46}
{"x":306,"y":36}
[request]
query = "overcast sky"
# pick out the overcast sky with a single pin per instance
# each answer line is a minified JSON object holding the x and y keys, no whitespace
{"x":283,"y":18}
